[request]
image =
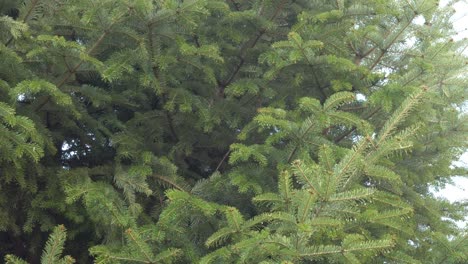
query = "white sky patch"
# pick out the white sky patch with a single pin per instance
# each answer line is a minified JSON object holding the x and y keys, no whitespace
{"x":458,"y":191}
{"x":419,"y":20}
{"x":460,"y":20}
{"x":462,"y":162}
{"x":360,"y":97}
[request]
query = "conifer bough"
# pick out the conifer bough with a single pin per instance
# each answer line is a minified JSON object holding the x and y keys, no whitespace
{"x":212,"y":131}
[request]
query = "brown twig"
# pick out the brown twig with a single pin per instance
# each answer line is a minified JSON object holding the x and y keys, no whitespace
{"x":168,"y":181}
{"x":223,"y":159}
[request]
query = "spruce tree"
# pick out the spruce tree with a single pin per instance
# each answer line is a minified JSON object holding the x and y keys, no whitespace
{"x":212,"y":131}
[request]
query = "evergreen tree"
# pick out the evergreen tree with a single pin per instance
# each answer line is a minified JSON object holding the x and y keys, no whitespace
{"x":211,"y":131}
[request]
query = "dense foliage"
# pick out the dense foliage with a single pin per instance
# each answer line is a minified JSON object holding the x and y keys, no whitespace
{"x":237,"y":131}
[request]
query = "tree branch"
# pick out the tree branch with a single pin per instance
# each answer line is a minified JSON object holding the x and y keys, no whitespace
{"x":69,"y":73}
{"x":168,"y":181}
{"x":235,"y":4}
{"x":338,"y":139}
{"x":223,"y":159}
{"x":33,"y":5}
{"x":242,"y":54}
{"x":384,"y":50}
{"x":156,"y":75}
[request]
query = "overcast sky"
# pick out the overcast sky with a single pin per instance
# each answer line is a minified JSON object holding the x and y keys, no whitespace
{"x":459,"y":190}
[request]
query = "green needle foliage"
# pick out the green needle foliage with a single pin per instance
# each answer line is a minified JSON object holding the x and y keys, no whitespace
{"x":230,"y":131}
{"x":52,"y":251}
